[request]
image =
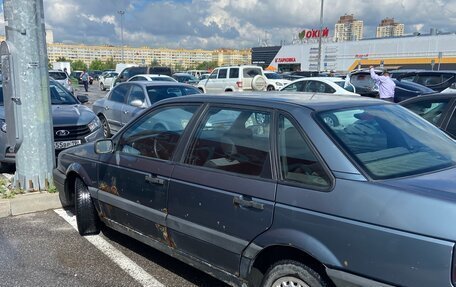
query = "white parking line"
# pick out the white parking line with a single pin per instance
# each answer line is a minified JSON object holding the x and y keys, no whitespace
{"x":135,"y":271}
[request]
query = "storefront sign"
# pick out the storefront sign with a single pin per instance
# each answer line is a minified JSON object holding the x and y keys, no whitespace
{"x":285,"y":60}
{"x":361,"y":56}
{"x":309,"y":34}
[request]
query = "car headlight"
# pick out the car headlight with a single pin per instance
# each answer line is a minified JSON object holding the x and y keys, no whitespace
{"x":279,"y":84}
{"x":3,"y":125}
{"x":95,"y":124}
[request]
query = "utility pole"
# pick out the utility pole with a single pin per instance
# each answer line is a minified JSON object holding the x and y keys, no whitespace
{"x":25,"y":37}
{"x":319,"y":38}
{"x":121,"y":12}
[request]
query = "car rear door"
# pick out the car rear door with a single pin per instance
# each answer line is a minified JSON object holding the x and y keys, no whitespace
{"x":222,"y":194}
{"x":133,"y":182}
{"x":112,"y":109}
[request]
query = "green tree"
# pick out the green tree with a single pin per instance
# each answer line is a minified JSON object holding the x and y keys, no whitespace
{"x":62,"y":59}
{"x":97,"y":65}
{"x":78,"y":65}
{"x":207,"y":65}
{"x":155,"y":62}
{"x":109,"y":64}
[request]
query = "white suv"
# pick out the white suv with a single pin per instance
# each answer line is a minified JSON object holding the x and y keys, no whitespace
{"x":234,"y":79}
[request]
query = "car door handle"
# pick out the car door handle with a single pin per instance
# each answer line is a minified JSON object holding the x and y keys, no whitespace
{"x":106,"y":108}
{"x":155,"y":180}
{"x":249,"y":203}
{"x":125,"y":112}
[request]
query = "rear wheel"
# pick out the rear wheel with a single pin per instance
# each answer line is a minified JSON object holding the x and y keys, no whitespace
{"x":292,"y":273}
{"x":105,"y":125}
{"x":102,"y":87}
{"x":86,"y":214}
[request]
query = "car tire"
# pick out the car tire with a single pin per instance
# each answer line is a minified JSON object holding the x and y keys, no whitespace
{"x":292,"y":273}
{"x":105,"y":125}
{"x":86,"y":215}
{"x":259,"y":83}
{"x":102,"y":87}
{"x":270,"y":88}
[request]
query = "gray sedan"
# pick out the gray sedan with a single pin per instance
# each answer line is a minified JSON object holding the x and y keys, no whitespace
{"x":129,"y":99}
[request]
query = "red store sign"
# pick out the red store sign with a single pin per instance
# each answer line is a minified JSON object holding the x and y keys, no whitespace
{"x":286,"y":60}
{"x":309,"y":34}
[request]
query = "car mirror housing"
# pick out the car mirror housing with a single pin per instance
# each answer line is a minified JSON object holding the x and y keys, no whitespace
{"x":137,"y":103}
{"x":104,"y":146}
{"x":83,"y":98}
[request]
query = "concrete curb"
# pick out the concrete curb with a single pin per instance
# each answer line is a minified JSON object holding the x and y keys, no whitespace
{"x":30,"y":202}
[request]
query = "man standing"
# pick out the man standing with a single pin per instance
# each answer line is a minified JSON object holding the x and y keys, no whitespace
{"x":85,"y":80}
{"x":385,"y":85}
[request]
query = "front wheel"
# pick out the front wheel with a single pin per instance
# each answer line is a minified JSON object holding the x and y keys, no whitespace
{"x":86,"y":214}
{"x":102,"y":87}
{"x":106,"y":128}
{"x":292,"y":273}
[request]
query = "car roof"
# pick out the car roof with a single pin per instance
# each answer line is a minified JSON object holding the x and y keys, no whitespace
{"x":156,"y":83}
{"x":152,"y":75}
{"x":330,"y":79}
{"x":425,"y":71}
{"x":313,"y":101}
{"x":430,"y":96}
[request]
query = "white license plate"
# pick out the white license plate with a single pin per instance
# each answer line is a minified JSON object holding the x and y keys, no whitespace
{"x":66,"y":144}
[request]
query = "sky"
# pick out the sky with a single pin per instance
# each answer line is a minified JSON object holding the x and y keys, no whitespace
{"x":213,"y":24}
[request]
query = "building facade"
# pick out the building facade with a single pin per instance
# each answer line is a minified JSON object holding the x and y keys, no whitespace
{"x":348,"y":29}
{"x":389,"y":28}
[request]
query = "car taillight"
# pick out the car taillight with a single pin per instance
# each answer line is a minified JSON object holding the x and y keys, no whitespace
{"x":239,"y":84}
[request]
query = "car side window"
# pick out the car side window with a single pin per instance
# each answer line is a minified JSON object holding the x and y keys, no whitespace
{"x":214,"y":74}
{"x":234,"y":73}
{"x":451,"y":129}
{"x":298,"y":162}
{"x":233,"y":140}
{"x":430,"y":110}
{"x":311,"y":87}
{"x":295,"y":87}
{"x":222,"y":73}
{"x":156,"y":134}
{"x":119,"y":93}
{"x":136,"y":94}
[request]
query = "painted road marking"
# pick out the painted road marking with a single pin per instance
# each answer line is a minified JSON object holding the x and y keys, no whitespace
{"x":135,"y":271}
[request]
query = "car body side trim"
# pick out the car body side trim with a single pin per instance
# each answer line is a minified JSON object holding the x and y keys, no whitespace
{"x":132,"y":207}
{"x":230,"y":243}
{"x":345,"y":279}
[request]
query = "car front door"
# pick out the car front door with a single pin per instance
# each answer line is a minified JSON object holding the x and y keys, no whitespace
{"x":112,"y":109}
{"x":211,"y":82}
{"x":136,"y":103}
{"x":222,"y":193}
{"x":133,"y":181}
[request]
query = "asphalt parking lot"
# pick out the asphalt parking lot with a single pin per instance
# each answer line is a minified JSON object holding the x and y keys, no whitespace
{"x":44,"y":249}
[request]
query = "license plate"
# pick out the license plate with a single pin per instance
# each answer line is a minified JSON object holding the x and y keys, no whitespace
{"x":66,"y":144}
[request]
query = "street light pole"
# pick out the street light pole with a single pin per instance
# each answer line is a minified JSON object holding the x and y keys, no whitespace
{"x":319,"y":38}
{"x":121,"y":12}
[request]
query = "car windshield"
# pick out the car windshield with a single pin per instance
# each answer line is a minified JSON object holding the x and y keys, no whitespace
{"x":388,"y":141}
{"x":157,"y":93}
{"x":60,"y":96}
{"x":58,"y":75}
{"x":273,"y":76}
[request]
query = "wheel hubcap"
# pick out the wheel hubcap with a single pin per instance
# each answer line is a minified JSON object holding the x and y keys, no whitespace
{"x":289,"y":281}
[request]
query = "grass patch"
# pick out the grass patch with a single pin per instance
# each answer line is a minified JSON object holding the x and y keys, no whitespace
{"x":6,"y":191}
{"x":52,"y":189}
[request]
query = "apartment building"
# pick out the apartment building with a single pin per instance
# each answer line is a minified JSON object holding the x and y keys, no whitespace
{"x":389,"y":28}
{"x":348,"y":29}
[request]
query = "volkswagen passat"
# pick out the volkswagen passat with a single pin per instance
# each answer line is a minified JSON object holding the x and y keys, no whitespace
{"x":262,"y":191}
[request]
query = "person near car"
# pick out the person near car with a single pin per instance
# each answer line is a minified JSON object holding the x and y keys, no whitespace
{"x":66,"y":72}
{"x":85,"y":79}
{"x":385,"y":85}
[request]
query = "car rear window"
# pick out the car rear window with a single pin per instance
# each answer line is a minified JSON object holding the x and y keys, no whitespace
{"x":157,"y":93}
{"x":58,"y":75}
{"x":388,"y":141}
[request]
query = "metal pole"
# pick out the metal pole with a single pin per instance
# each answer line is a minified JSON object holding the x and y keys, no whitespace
{"x":121,"y":12}
{"x":319,"y":38}
{"x":25,"y":33}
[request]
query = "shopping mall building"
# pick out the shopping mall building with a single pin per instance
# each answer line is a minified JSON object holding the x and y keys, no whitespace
{"x":418,"y":51}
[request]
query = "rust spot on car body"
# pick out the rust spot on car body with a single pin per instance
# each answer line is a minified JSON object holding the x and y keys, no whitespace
{"x":167,"y":239}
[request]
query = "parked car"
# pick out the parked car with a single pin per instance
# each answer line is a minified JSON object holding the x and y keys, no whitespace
{"x":106,"y":79}
{"x":234,"y":79}
{"x":365,"y":86}
{"x":275,"y":81}
{"x":204,"y":76}
{"x":186,"y":78}
{"x":126,"y":101}
{"x":77,"y":76}
{"x":62,"y":78}
{"x":74,"y":123}
{"x":328,"y":85}
{"x":260,"y":191}
{"x":435,"y":80}
{"x":152,"y":77}
{"x":438,"y":109}
{"x":300,"y":74}
{"x":129,"y":72}
{"x":95,"y":74}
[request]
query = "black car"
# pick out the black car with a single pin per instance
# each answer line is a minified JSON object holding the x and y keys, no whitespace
{"x":436,"y":80}
{"x":365,"y":86}
{"x":95,"y":74}
{"x":129,"y":72}
{"x":439,"y":109}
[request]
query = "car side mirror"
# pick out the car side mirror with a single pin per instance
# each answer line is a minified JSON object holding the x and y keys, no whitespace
{"x":453,"y":86}
{"x":137,"y":103}
{"x":83,"y":98}
{"x":104,"y":146}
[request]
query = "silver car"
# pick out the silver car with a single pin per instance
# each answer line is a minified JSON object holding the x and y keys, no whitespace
{"x":62,"y":78}
{"x":129,"y":99}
